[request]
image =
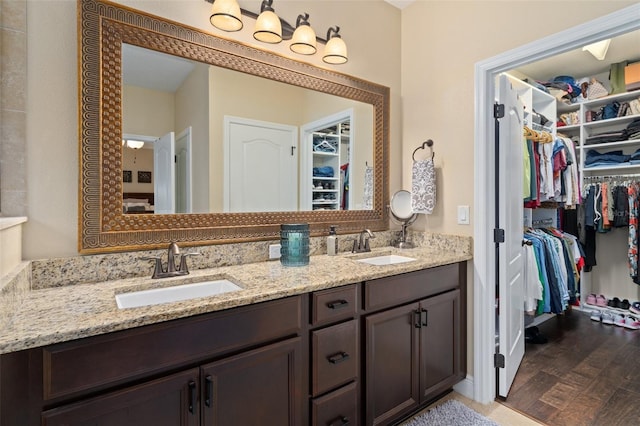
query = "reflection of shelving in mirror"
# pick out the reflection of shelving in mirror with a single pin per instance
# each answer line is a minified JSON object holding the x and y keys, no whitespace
{"x":326,"y":148}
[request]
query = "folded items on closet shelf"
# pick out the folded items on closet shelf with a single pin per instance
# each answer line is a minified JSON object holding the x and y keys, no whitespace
{"x":595,"y":158}
{"x":326,"y":171}
{"x":606,"y":137}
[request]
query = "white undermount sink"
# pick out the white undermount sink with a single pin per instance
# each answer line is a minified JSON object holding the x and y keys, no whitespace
{"x":175,"y":293}
{"x":388,"y":259}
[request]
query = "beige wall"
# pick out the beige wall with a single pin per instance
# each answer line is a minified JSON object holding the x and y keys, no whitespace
{"x":441,"y":42}
{"x":52,"y":101}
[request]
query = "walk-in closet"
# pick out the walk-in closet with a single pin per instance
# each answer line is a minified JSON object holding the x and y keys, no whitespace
{"x":581,"y":198}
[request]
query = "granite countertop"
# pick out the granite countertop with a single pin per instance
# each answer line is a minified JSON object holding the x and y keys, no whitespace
{"x":41,"y":317}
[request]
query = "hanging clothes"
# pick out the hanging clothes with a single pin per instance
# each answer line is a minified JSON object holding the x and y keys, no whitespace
{"x":559,"y":262}
{"x":611,"y":202}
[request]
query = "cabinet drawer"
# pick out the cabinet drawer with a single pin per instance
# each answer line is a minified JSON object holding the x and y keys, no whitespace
{"x":98,"y":362}
{"x":333,"y":304}
{"x":334,"y":356}
{"x":337,"y":408}
{"x":397,"y":289}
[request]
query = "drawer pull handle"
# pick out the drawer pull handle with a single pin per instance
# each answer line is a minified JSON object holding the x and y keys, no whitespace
{"x":338,"y":304}
{"x":340,"y":421}
{"x":209,"y":391}
{"x":424,"y":318}
{"x":192,"y":395}
{"x":338,"y":358}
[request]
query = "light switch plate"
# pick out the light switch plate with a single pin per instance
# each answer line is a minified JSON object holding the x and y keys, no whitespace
{"x":463,"y":215}
{"x":274,"y":251}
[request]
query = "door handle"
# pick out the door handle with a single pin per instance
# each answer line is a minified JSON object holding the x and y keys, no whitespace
{"x":208,"y":397}
{"x":417,"y":318}
{"x":423,"y":317}
{"x":192,"y":395}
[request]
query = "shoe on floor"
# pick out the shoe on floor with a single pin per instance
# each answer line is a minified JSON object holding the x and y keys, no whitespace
{"x":595,"y":315}
{"x":533,"y":335}
{"x":619,"y":320}
{"x":635,"y":308}
{"x":632,"y":323}
{"x":607,"y":317}
{"x":591,"y":299}
{"x":601,"y":301}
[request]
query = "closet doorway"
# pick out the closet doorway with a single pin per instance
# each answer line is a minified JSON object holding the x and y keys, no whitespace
{"x":485,"y":276}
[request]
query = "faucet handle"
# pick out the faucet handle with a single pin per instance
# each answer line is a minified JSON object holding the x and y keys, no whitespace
{"x":183,"y":268}
{"x":157,"y":270}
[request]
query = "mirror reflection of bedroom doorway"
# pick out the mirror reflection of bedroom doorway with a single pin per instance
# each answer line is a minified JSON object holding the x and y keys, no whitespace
{"x":170,"y":159}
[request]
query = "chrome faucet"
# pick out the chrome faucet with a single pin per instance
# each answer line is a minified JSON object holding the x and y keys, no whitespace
{"x":361,"y":244}
{"x":172,"y":270}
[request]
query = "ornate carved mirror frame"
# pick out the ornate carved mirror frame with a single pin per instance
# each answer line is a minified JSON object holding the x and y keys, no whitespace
{"x":103,"y":227}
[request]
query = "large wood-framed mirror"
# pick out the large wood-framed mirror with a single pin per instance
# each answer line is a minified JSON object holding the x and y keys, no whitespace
{"x":108,"y":33}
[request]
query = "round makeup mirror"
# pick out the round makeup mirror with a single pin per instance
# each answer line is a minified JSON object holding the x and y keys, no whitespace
{"x":401,"y":211}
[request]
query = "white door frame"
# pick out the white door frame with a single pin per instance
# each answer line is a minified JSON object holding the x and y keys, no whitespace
{"x":614,"y":24}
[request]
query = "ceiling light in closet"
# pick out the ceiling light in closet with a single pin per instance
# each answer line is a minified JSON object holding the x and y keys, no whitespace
{"x":133,"y":144}
{"x":598,"y":49}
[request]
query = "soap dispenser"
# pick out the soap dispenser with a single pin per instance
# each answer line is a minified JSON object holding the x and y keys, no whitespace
{"x":332,"y":241}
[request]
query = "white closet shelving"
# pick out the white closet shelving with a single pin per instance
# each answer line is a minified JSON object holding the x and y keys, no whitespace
{"x":584,"y":129}
{"x":329,"y":150}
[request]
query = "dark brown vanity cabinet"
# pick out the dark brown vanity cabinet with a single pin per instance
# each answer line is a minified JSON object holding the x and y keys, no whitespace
{"x":415,"y":351}
{"x":238,"y":366}
{"x":335,"y":357}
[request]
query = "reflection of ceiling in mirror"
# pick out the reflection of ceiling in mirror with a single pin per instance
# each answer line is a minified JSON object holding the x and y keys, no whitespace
{"x":153,"y":70}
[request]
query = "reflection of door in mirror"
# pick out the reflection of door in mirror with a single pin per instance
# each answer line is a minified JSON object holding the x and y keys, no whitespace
{"x":260,"y":167}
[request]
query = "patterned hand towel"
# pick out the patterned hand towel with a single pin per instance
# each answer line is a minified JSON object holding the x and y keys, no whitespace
{"x":368,"y":188}
{"x":423,"y":186}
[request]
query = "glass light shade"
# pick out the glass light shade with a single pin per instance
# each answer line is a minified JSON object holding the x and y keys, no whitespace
{"x":335,"y":52}
{"x":304,"y":40}
{"x":268,"y":28}
{"x":226,"y":15}
{"x":134,"y":144}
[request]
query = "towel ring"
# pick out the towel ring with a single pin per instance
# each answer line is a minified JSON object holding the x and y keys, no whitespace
{"x":427,"y":143}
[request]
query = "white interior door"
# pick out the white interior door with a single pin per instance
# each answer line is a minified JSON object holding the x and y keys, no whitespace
{"x":261,"y":166}
{"x":510,"y":252}
{"x":164,"y":174}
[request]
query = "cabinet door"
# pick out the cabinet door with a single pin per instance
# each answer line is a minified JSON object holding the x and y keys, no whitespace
{"x":259,"y":387}
{"x":169,"y":401}
{"x":392,"y":348}
{"x":440,"y":344}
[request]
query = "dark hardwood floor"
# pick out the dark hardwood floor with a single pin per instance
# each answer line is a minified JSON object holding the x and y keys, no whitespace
{"x":588,"y":374}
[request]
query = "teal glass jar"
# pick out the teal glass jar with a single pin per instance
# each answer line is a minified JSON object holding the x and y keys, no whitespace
{"x":294,"y":244}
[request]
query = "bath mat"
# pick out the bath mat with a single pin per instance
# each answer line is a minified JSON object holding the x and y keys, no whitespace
{"x":450,"y":413}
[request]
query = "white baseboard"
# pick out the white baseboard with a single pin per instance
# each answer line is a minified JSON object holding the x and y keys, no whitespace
{"x":465,"y":387}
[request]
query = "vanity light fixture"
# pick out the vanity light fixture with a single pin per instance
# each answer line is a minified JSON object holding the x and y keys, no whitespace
{"x":335,"y":51}
{"x":304,"y":38}
{"x":598,"y":49}
{"x":268,"y":28}
{"x":226,"y":15}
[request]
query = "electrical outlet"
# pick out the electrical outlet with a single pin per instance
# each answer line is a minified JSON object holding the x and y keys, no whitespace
{"x":274,"y":251}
